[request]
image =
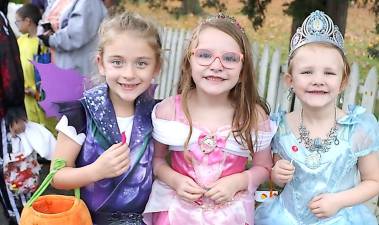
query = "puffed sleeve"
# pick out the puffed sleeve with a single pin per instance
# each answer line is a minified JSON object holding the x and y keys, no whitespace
{"x":365,"y":135}
{"x":73,"y":121}
{"x":266,"y":131}
{"x":277,"y":118}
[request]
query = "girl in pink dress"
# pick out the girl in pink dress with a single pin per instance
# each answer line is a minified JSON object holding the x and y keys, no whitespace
{"x":209,"y":130}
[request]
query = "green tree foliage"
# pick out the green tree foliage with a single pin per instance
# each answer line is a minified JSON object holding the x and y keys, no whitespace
{"x":255,"y":11}
{"x":17,"y":1}
{"x":187,"y":7}
{"x":373,"y":50}
{"x":221,"y":7}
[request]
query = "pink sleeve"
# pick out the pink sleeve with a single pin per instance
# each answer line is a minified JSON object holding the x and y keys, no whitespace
{"x":260,"y":170}
{"x":164,"y":110}
{"x":262,"y":158}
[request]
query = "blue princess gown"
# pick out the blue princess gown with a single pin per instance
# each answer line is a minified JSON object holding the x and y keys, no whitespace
{"x":358,"y":136}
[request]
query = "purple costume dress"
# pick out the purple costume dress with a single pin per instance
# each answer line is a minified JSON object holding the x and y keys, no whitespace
{"x":122,"y":199}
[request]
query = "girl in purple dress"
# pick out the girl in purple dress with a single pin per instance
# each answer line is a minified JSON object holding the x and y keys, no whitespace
{"x":105,"y":137}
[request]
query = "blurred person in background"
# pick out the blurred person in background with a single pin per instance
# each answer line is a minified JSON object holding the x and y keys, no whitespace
{"x":72,"y":33}
{"x":27,"y":18}
{"x":11,"y":96}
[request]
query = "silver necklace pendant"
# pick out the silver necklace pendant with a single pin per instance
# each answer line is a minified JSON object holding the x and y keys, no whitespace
{"x":313,"y":160}
{"x":316,"y":146}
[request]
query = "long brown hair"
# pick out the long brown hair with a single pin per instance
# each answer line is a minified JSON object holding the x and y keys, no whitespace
{"x":244,"y":95}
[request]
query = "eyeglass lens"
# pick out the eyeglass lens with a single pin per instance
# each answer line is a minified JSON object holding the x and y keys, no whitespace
{"x":228,"y":59}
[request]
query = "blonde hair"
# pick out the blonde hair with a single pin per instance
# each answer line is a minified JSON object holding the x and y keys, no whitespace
{"x":346,"y":69}
{"x":244,"y":95}
{"x":128,"y":22}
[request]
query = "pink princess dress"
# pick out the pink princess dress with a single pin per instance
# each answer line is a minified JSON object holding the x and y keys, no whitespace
{"x":213,"y":156}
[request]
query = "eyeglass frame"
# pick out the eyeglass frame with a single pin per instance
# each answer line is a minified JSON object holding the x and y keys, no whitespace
{"x":217,"y":55}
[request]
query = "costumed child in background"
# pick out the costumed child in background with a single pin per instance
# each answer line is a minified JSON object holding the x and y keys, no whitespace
{"x":319,"y":149}
{"x":69,"y":28}
{"x":27,"y":18}
{"x":21,"y":169}
{"x":11,"y":97}
{"x":210,"y":129}
{"x":115,"y":176}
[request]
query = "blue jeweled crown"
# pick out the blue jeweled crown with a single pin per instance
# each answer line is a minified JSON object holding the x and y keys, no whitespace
{"x":317,"y":27}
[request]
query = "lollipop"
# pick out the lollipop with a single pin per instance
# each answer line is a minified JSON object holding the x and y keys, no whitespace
{"x":123,"y":138}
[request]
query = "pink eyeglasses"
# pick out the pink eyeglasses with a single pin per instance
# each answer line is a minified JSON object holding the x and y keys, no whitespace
{"x":206,"y":57}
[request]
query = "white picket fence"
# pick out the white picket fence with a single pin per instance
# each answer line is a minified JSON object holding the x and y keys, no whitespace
{"x":269,"y":70}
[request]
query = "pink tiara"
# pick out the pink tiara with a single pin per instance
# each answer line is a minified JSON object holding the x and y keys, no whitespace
{"x":230,"y":19}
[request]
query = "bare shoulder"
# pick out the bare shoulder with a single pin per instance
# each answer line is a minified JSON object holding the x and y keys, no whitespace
{"x":166,"y":109}
{"x":340,"y":113}
{"x":293,"y":120}
{"x":293,"y":117}
{"x":262,"y":115}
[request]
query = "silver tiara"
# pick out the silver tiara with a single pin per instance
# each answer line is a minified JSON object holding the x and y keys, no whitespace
{"x":317,"y":27}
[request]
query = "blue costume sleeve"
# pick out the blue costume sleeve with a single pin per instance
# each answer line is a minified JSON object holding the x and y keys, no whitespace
{"x":278,"y":118}
{"x":365,"y":135}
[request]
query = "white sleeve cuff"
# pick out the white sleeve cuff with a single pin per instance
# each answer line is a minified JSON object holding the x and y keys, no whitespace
{"x":70,"y":131}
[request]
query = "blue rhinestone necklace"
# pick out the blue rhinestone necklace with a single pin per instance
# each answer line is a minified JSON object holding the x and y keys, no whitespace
{"x":317,"y":146}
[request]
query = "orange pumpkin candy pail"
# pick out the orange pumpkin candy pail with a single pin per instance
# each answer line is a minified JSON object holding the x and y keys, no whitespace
{"x":55,"y":209}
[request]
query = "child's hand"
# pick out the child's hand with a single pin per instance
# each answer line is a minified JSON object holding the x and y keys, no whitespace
{"x":282,"y":172}
{"x":224,"y":189}
{"x":187,"y":188}
{"x":324,"y":205}
{"x":29,"y":92}
{"x":113,"y":162}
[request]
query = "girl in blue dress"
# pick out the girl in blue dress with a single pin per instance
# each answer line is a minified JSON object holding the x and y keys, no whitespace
{"x":320,"y":150}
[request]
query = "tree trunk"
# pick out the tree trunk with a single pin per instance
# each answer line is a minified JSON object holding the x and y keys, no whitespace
{"x":191,"y":6}
{"x":337,"y":10}
{"x":300,"y":9}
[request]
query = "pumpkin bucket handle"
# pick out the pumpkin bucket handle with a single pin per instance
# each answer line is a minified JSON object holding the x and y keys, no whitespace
{"x":58,"y":164}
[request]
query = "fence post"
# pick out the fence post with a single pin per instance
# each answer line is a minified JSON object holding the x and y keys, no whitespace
{"x":173,"y":45}
{"x":168,"y":55}
{"x":161,"y":77}
{"x":283,"y":103}
{"x":369,"y":90}
{"x":352,"y":87}
{"x":263,"y":66}
{"x":255,"y":54}
{"x":183,"y":34}
{"x":272,"y":89}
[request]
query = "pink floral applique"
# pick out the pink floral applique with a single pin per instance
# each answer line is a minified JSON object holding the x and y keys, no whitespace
{"x":210,"y":146}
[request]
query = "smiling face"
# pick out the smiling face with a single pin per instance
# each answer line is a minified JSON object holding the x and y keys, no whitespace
{"x":316,"y":75}
{"x":216,"y":78}
{"x":129,"y":64}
